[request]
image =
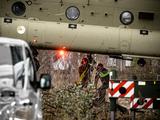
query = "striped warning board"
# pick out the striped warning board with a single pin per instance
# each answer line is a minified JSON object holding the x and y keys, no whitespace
{"x":142,"y":103}
{"x":122,"y":88}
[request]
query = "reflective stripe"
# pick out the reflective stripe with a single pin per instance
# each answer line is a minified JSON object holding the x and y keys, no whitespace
{"x":101,"y":74}
{"x":82,"y":75}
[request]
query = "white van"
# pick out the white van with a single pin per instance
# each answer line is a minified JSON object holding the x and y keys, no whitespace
{"x":19,"y":87}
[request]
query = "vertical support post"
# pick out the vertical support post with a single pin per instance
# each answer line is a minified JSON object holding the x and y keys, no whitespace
{"x":133,"y":114}
{"x":113,"y":107}
{"x":112,"y":115}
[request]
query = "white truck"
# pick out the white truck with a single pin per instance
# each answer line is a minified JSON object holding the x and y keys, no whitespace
{"x":19,"y":88}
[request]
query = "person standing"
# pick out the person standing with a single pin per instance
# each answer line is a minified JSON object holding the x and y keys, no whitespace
{"x":84,"y":72}
{"x":101,"y":74}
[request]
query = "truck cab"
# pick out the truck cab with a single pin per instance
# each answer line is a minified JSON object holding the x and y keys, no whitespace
{"x":19,"y":87}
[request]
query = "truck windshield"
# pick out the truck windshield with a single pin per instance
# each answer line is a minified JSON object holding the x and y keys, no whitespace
{"x":6,"y":69}
{"x":11,"y":66}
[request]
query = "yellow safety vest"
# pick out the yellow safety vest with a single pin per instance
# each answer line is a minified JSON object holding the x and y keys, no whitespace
{"x":82,"y":76}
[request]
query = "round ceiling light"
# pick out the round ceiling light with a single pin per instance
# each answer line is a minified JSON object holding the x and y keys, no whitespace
{"x":18,"y":8}
{"x":72,"y":13}
{"x":126,"y":17}
{"x":21,"y":29}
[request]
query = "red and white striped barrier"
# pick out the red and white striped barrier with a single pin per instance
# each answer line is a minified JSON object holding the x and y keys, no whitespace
{"x":122,"y":88}
{"x":142,"y":103}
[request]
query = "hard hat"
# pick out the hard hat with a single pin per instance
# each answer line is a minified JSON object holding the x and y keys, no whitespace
{"x":84,"y":60}
{"x":99,"y":66}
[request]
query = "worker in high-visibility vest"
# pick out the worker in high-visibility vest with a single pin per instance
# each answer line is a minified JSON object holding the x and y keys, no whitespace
{"x":103,"y":75}
{"x":84,"y":72}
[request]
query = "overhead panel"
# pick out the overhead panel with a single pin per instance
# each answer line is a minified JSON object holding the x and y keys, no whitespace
{"x":92,"y":12}
{"x":35,"y":31}
{"x":10,"y":29}
{"x":59,"y":35}
{"x":89,"y":38}
{"x":125,"y":40}
{"x":111,"y":41}
{"x":145,"y":44}
{"x":95,"y":15}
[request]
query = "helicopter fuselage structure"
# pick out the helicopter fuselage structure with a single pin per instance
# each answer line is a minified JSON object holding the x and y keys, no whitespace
{"x":97,"y":26}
